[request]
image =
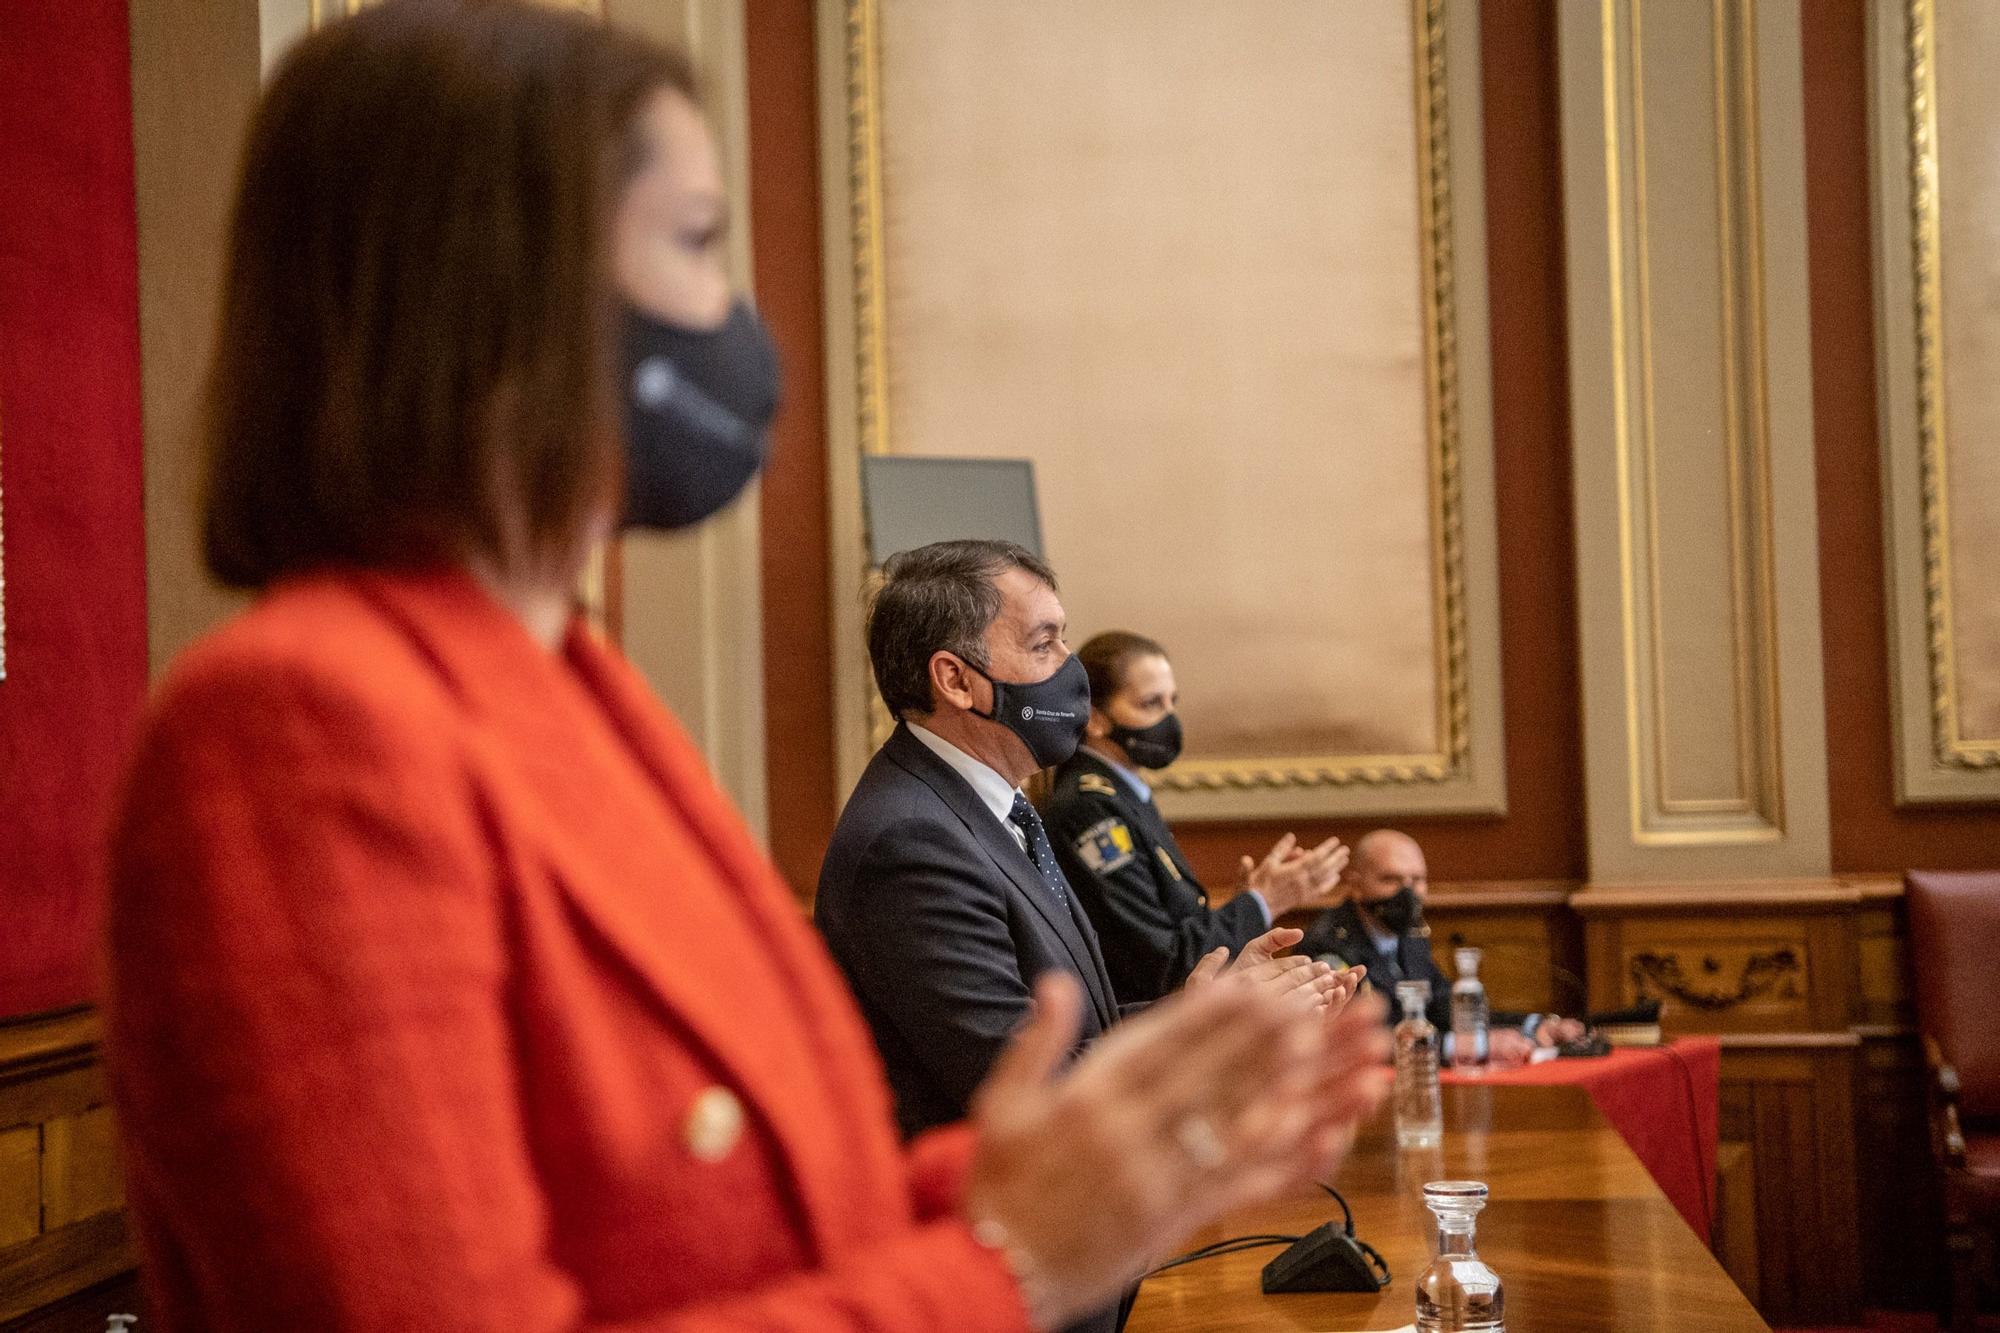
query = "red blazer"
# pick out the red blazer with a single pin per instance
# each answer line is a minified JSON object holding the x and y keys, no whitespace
{"x":447,"y":991}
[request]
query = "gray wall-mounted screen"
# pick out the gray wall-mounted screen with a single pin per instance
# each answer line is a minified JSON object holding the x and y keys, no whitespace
{"x":912,"y":502}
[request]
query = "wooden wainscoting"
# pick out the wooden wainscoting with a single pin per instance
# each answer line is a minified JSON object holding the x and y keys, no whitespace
{"x":1734,"y":1235}
{"x":1902,"y":1215}
{"x":1533,"y":945}
{"x":1771,"y":968}
{"x":1827,"y":1199}
{"x":62,"y":1220}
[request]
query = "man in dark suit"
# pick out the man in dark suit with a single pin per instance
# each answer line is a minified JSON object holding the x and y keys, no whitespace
{"x":1382,"y":926}
{"x":940,"y":894}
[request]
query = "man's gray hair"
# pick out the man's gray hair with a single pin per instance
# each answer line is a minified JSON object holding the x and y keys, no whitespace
{"x":937,"y":598}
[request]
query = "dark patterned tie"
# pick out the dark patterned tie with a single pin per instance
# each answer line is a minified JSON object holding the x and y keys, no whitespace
{"x":1039,"y":851}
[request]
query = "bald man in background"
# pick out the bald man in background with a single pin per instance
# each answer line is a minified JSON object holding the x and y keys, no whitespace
{"x":1381,"y":926}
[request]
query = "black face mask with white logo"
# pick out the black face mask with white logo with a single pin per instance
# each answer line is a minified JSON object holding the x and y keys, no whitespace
{"x":697,"y":403}
{"x":1048,"y":715}
{"x":1150,"y":747}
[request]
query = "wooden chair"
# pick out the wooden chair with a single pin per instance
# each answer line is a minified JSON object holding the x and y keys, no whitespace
{"x":1955,"y":940}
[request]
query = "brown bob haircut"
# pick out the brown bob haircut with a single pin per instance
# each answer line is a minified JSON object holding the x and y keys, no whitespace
{"x":414,"y":360}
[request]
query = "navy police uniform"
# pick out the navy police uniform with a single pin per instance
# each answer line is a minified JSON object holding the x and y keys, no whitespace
{"x":1337,"y":936}
{"x":1152,"y":916}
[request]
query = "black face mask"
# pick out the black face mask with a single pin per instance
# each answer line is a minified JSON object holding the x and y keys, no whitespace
{"x":1402,"y":913}
{"x":697,"y":402}
{"x":1150,"y":747}
{"x":1048,"y":715}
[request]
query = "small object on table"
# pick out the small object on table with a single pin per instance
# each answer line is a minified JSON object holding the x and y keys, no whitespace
{"x":1419,"y":1107}
{"x":1458,"y":1293}
{"x":1470,"y":1014}
{"x":1638,"y":1025}
{"x":1586,"y":1047}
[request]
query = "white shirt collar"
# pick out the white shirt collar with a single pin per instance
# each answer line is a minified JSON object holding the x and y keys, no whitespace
{"x":994,"y":791}
{"x":1389,"y":945}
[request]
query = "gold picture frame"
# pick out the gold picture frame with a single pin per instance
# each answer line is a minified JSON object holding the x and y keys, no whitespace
{"x":1937,"y":759}
{"x":1462,"y":773}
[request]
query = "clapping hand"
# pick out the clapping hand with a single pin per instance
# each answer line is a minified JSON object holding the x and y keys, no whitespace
{"x":1303,"y":979}
{"x":1290,"y":876}
{"x":1209,"y":1100}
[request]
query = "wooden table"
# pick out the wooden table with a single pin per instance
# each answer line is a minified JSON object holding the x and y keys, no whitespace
{"x":1576,"y":1228}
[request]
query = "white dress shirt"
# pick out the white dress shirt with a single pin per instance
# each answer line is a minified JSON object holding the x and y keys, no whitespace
{"x":994,"y":791}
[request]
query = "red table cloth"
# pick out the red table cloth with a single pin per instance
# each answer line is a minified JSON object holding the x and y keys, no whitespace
{"x":1661,"y":1099}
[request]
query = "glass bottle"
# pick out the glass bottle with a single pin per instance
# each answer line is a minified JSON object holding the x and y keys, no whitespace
{"x":1469,"y":1014}
{"x":1419,"y":1106}
{"x":1458,"y":1293}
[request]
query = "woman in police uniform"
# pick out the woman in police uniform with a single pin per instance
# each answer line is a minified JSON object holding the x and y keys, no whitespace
{"x":1152,"y":916}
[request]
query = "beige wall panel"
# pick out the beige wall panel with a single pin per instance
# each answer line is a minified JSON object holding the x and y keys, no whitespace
{"x":185,"y":150}
{"x":1690,"y":389}
{"x":1968,"y":145}
{"x":1202,"y":314}
{"x":693,"y":606}
{"x":1160,"y":341}
{"x":1937,"y":166}
{"x":1969,"y":203}
{"x":1688,"y":404}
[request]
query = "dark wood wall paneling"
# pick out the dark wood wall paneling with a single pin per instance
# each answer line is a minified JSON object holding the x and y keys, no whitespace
{"x":1870,"y":833}
{"x":62,"y":1218}
{"x":798,"y":625}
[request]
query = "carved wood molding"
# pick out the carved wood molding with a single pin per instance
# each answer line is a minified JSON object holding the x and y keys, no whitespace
{"x":1495,"y":894}
{"x":1780,"y":895}
{"x":1789,"y":1041}
{"x":1773,"y":971}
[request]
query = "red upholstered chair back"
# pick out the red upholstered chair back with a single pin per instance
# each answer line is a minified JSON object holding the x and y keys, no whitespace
{"x":1955,"y":941}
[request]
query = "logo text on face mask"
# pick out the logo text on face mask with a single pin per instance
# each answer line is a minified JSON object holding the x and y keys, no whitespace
{"x":1028,"y":713}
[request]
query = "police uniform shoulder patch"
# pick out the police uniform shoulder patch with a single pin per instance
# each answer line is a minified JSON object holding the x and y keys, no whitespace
{"x":1105,"y":846}
{"x":1096,"y":783}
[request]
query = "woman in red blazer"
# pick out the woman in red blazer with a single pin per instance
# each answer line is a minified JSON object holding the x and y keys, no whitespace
{"x":445,"y":988}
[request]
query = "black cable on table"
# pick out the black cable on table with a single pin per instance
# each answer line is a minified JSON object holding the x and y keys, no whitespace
{"x":1233,"y":1245}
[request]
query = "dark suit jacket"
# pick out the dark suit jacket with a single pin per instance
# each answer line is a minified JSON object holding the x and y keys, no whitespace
{"x":942,"y":924}
{"x":1152,"y":915}
{"x":1339,"y":935}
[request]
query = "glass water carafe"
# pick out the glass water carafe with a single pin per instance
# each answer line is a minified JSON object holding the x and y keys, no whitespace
{"x":1469,"y":1014}
{"x":1458,"y":1293}
{"x":1419,"y":1108}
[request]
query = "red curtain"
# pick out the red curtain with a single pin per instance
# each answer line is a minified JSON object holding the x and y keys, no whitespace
{"x":71,"y":503}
